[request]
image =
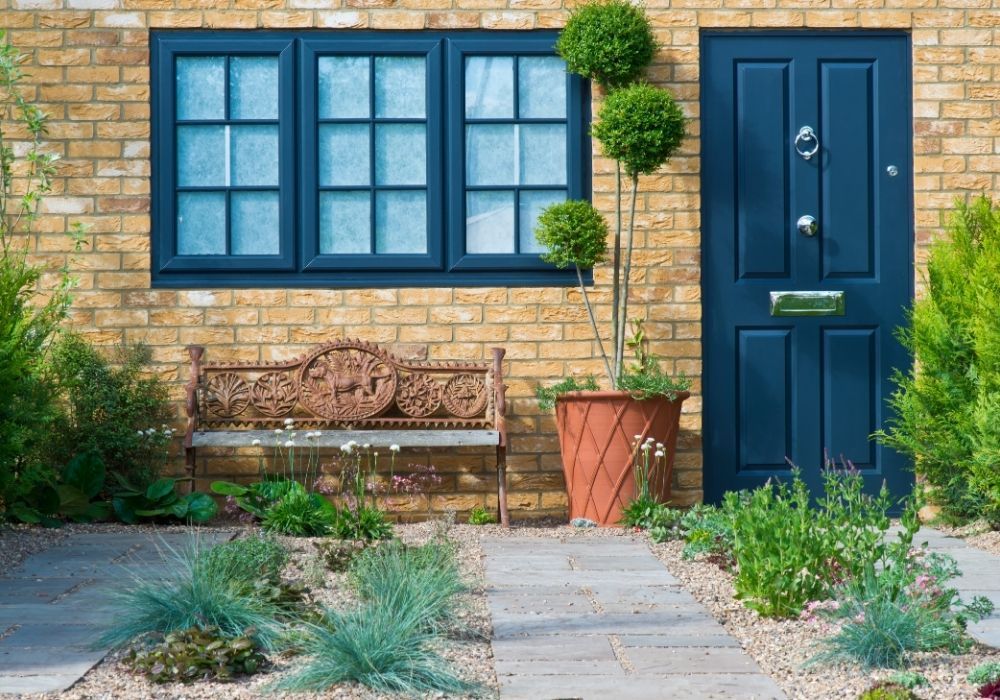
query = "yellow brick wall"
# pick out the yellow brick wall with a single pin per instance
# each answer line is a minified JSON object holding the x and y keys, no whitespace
{"x":89,"y":70}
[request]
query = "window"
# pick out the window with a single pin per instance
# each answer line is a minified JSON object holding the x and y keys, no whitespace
{"x":361,"y":159}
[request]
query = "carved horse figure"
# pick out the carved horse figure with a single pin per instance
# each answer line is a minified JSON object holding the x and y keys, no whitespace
{"x":344,"y":373}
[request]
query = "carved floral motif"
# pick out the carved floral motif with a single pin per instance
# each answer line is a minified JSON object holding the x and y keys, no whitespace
{"x":227,"y":395}
{"x":418,"y":395}
{"x":347,"y":382}
{"x":274,"y":394}
{"x":465,"y":395}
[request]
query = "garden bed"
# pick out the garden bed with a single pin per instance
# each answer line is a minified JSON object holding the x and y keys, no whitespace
{"x":466,"y":646}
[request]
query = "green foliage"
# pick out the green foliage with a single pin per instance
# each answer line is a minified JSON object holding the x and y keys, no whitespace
{"x":197,"y":654}
{"x":660,"y":520}
{"x":640,"y":126}
{"x":364,"y":522}
{"x":947,"y":407}
{"x":480,"y":516}
{"x":388,"y":643}
{"x":301,"y":513}
{"x":649,"y":380}
{"x":888,"y":691}
{"x":161,"y":500}
{"x":909,"y":679}
{"x":198,"y":591}
{"x":337,"y":555}
{"x":247,"y":559}
{"x":608,"y":41}
{"x":112,"y":405}
{"x":72,"y":498}
{"x":547,"y":395}
{"x":708,"y":531}
{"x":985,"y":673}
{"x":573,"y":233}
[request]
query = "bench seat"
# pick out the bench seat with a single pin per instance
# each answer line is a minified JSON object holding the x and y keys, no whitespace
{"x":336,"y":438}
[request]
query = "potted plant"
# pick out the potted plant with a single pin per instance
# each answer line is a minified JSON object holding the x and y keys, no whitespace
{"x":640,"y":127}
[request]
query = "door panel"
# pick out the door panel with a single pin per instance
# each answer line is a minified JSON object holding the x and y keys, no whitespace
{"x":797,"y":388}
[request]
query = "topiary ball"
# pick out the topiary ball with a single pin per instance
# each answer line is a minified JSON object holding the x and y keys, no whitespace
{"x":608,"y":41}
{"x":573,"y":233}
{"x":641,"y":126}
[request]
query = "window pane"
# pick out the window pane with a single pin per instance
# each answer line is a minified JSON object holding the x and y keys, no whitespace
{"x":345,"y":222}
{"x":541,"y":86}
{"x":254,"y":155}
{"x":543,"y":154}
{"x":400,"y":222}
{"x":344,"y":154}
{"x":400,"y":86}
{"x":201,"y":223}
{"x":343,"y":87}
{"x":400,"y":154}
{"x":253,"y":87}
{"x":490,"y":154}
{"x":201,"y":156}
{"x":489,"y":222}
{"x":531,"y":204}
{"x":489,"y":87}
{"x":255,"y":223}
{"x":201,"y":87}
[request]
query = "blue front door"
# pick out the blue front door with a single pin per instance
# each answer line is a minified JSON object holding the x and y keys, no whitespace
{"x":807,"y":251}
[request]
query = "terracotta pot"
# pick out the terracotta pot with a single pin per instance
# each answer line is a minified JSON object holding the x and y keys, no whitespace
{"x":597,"y":430}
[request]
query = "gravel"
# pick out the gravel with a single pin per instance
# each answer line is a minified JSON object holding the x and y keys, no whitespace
{"x":782,"y":647}
{"x":19,"y":541}
{"x":467,"y":646}
{"x":977,"y":534}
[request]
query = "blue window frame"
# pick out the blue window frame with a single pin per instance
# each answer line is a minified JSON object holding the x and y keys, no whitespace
{"x":361,"y":159}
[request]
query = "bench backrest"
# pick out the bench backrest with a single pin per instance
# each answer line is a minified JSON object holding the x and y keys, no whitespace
{"x":346,"y":384}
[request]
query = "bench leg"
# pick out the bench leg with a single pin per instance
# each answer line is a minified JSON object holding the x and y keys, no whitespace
{"x":189,"y":466}
{"x":502,"y":485}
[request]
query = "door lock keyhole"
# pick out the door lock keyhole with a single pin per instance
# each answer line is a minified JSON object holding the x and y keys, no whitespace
{"x":808,"y":226}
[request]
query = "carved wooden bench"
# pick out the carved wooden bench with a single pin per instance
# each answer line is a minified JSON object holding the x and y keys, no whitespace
{"x":350,"y":390}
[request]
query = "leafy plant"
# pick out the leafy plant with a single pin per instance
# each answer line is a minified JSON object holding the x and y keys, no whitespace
{"x":301,"y":514}
{"x":161,"y":500}
{"x":708,"y":531}
{"x":984,"y":673}
{"x":247,"y":559}
{"x":365,"y":522}
{"x":337,"y":555}
{"x":909,"y":679}
{"x":72,"y":497}
{"x":197,"y":654}
{"x":111,"y":402}
{"x":547,"y":395}
{"x":197,"y":591}
{"x":887,"y":690}
{"x":947,"y":407}
{"x":609,"y":41}
{"x":480,"y":516}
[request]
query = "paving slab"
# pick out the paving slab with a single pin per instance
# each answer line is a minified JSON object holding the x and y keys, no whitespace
{"x":615,"y":625}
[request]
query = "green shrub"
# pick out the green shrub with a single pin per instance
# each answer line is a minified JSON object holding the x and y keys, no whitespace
{"x":300,"y":513}
{"x":424,"y":580}
{"x":909,"y":679}
{"x":947,"y":407}
{"x":113,"y":408}
{"x":608,"y":41}
{"x":364,"y":522}
{"x":480,"y":516}
{"x":197,"y":654}
{"x":640,"y":126}
{"x":888,"y":691}
{"x":161,"y":500}
{"x":547,"y":395}
{"x":201,"y":591}
{"x":985,"y":673}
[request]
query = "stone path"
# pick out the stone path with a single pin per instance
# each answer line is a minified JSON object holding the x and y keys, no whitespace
{"x":602,"y":618}
{"x":54,"y":606}
{"x":980,"y":576}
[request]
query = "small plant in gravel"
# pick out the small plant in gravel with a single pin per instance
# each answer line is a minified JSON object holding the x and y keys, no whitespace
{"x":645,"y":511}
{"x":985,"y":673}
{"x":480,"y":516}
{"x":887,"y":690}
{"x":909,"y":679}
{"x":198,"y":591}
{"x":337,"y":555}
{"x":197,"y":654}
{"x":708,"y":532}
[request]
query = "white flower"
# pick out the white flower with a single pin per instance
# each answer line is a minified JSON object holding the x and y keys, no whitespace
{"x":393,"y":448}
{"x":637,"y":437}
{"x":139,"y":433}
{"x":289,"y":443}
{"x":255,"y":443}
{"x":291,"y":435}
{"x":659,"y":445}
{"x":650,"y":440}
{"x":646,"y":447}
{"x":347,"y":448}
{"x":151,"y":431}
{"x":163,"y":425}
{"x":367,"y":445}
{"x":278,"y":431}
{"x":289,"y":421}
{"x":659,"y":453}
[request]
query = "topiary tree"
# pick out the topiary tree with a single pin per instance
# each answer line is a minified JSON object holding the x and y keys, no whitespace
{"x":609,"y":41}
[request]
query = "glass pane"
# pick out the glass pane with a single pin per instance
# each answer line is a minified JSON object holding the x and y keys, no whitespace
{"x":202,"y":156}
{"x":343,"y":87}
{"x":541,"y":87}
{"x":254,"y":155}
{"x":490,"y":154}
{"x":201,"y":87}
{"x":530,"y":205}
{"x":543,"y":154}
{"x":401,"y":222}
{"x":489,"y":87}
{"x":253,"y":87}
{"x":489,"y":222}
{"x":345,"y":223}
{"x":400,"y":154}
{"x":255,"y":223}
{"x":344,"y":154}
{"x":201,"y":223}
{"x":400,"y":89}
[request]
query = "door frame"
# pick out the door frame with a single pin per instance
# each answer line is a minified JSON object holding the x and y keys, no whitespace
{"x":712,"y":479}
